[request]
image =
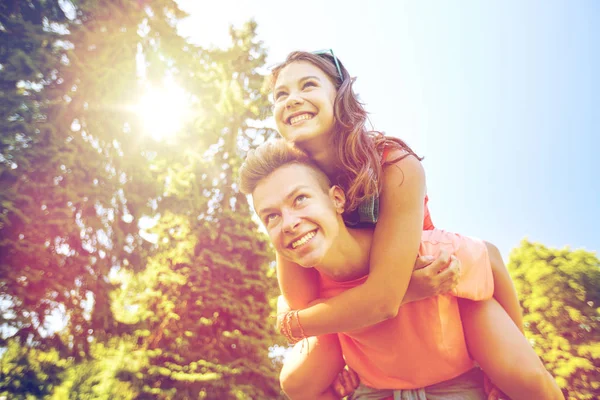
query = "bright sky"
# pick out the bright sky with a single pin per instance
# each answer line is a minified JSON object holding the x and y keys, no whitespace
{"x":500,"y":97}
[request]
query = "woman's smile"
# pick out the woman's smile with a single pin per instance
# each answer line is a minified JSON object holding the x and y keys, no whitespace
{"x":294,"y":120}
{"x":304,"y":94}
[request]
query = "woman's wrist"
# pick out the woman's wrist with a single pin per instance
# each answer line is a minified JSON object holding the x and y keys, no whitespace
{"x":291,"y":327}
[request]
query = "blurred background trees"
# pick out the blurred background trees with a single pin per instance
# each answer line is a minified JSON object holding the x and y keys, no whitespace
{"x":130,"y":265}
{"x":560,"y":295}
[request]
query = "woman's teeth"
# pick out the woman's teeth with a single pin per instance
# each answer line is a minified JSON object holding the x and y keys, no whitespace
{"x":299,"y":118}
{"x":303,"y":239}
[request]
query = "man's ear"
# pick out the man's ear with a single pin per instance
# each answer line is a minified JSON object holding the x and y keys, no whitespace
{"x":338,"y":197}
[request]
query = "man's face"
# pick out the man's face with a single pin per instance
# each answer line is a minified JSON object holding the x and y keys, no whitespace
{"x":299,"y":213}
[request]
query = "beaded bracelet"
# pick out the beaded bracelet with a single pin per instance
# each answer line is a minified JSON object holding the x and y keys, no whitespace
{"x":286,"y":327}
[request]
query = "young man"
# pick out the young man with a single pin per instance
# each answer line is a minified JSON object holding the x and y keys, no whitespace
{"x":421,"y":352}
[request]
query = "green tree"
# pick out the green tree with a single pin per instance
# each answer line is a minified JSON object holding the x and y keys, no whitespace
{"x":99,"y":376}
{"x":561,"y":305}
{"x":29,"y":373}
{"x":73,"y":181}
{"x":203,"y":303}
{"x":78,"y":176}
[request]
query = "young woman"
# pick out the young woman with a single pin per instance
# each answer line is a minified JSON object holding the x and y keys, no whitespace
{"x":316,"y":109}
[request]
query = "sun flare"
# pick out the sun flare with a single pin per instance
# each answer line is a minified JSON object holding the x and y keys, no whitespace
{"x":163,"y":110}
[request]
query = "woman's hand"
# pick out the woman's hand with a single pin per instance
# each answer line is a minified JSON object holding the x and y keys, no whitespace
{"x":432,"y":277}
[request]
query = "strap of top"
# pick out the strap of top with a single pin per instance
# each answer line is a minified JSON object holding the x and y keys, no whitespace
{"x":367,"y":212}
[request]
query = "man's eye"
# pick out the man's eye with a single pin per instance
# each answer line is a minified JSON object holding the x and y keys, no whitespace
{"x":270,"y":218}
{"x":301,"y":198}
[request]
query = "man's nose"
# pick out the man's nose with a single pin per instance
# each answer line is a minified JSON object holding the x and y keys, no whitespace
{"x":291,"y":221}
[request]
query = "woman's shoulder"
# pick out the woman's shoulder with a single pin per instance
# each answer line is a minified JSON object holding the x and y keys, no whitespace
{"x":400,"y":168}
{"x":392,"y":148}
{"x":400,"y":157}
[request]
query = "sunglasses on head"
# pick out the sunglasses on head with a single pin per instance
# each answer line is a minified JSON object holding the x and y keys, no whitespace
{"x":330,"y":53}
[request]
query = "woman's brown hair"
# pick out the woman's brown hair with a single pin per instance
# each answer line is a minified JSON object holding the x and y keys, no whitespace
{"x":358,"y":151}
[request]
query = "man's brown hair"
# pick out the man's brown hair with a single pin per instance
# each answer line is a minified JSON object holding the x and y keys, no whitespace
{"x":270,"y":156}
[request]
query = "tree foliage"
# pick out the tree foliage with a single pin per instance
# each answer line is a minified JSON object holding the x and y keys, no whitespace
{"x":559,"y":291}
{"x":176,"y":310}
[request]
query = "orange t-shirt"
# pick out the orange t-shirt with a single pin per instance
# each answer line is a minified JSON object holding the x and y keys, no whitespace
{"x":424,"y":344}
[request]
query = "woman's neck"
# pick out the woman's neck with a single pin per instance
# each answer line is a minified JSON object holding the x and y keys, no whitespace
{"x":322,"y":152}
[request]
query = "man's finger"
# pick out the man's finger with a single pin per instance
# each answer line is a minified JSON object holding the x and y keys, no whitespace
{"x":347,"y":382}
{"x":353,"y":378}
{"x":338,"y":388}
{"x":342,"y":380}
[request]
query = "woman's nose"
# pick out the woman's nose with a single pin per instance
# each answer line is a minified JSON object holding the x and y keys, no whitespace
{"x":293,"y":100}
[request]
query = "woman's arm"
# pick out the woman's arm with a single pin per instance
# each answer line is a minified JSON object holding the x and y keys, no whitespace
{"x":395,"y":245}
{"x":299,"y":286}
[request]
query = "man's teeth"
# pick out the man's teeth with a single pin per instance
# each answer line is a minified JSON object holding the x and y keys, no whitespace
{"x":303,"y":239}
{"x":299,"y":118}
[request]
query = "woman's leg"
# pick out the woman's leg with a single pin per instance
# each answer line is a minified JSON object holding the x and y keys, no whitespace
{"x":504,"y":353}
{"x":504,"y":289}
{"x":310,"y":369}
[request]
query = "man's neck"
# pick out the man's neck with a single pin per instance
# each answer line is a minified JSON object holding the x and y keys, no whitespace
{"x":348,"y":259}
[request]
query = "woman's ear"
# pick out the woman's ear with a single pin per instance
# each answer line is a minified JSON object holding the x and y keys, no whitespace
{"x":338,"y":197}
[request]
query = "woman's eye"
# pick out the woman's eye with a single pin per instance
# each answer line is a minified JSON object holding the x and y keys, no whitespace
{"x":279,"y":94}
{"x":308,"y":84}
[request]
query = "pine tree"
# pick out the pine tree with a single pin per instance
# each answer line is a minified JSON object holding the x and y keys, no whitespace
{"x":561,"y":304}
{"x":77,"y":177}
{"x":209,"y":288}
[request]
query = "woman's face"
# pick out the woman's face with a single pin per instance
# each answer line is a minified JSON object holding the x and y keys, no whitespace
{"x":304,"y":98}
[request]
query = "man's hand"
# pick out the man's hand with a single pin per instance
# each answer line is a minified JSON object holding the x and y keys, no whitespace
{"x":432,"y":277}
{"x":492,"y":391}
{"x":345,"y":383}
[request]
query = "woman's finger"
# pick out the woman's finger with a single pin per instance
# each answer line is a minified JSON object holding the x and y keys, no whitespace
{"x":451,"y":273}
{"x":423,"y":262}
{"x":440,"y":263}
